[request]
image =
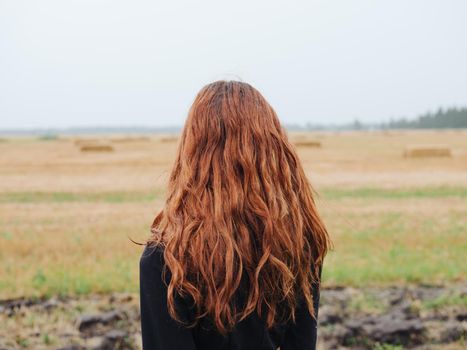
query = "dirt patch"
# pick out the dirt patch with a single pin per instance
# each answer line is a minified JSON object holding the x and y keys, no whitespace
{"x":424,"y":317}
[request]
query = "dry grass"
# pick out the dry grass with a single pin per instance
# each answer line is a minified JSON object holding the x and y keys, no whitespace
{"x":66,"y":218}
{"x":86,"y":141}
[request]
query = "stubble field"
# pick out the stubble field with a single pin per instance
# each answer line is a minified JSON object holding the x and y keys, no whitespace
{"x":67,"y":215}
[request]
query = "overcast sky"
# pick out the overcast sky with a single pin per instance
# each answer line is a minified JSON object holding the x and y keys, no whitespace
{"x":115,"y":63}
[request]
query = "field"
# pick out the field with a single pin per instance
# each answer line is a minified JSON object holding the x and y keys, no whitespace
{"x":66,"y":216}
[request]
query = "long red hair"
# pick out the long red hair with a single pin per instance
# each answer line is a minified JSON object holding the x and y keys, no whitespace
{"x":239,"y":204}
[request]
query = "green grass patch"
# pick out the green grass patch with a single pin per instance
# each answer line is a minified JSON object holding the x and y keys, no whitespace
{"x":326,"y":193}
{"x":92,"y":197}
{"x":52,"y":249}
{"x":445,"y":300}
{"x":47,"y":137}
{"x":366,"y":303}
{"x":394,"y":248}
{"x":399,"y":193}
{"x":386,"y":346}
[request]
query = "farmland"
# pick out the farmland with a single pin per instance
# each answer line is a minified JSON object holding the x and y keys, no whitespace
{"x":67,"y":216}
{"x":69,"y":206}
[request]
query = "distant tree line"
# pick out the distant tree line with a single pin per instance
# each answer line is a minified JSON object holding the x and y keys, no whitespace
{"x":449,"y":118}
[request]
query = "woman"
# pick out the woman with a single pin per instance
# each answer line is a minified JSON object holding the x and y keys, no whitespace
{"x":234,"y":259}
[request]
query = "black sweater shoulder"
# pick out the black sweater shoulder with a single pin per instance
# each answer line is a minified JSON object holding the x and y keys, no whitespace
{"x":161,"y":332}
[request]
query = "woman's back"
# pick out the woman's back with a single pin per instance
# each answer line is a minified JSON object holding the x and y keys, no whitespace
{"x":239,"y":235}
{"x":249,"y":334}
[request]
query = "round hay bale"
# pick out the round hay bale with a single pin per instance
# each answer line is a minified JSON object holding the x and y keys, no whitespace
{"x":428,"y":151}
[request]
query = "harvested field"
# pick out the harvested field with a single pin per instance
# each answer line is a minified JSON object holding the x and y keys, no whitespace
{"x":66,"y":217}
{"x":86,"y":141}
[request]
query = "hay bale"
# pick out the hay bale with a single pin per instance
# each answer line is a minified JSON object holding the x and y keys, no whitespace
{"x":130,"y":139}
{"x":428,"y":151}
{"x":96,"y":148}
{"x":168,"y":139}
{"x":308,"y":143}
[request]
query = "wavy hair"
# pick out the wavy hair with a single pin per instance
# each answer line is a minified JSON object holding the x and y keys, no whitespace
{"x":238,"y":205}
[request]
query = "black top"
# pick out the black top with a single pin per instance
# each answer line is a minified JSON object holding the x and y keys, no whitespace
{"x":161,"y":332}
